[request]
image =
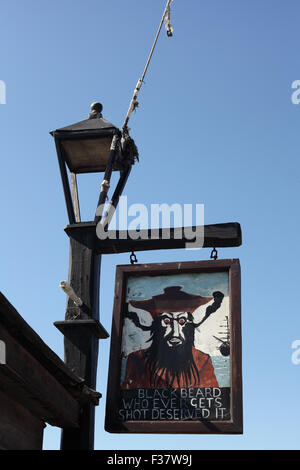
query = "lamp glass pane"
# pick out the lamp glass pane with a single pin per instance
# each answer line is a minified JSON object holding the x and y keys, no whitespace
{"x":87,"y":155}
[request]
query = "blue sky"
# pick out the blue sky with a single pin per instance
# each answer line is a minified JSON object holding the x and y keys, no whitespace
{"x":215,"y":126}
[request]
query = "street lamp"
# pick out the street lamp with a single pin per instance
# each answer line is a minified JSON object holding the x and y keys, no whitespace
{"x":89,"y":146}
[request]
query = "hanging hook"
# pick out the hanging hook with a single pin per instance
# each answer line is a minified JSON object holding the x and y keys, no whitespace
{"x":133,"y":258}
{"x":214,"y":254}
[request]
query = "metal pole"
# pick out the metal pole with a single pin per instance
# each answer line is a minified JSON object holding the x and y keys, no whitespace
{"x":65,"y":182}
{"x":106,"y":180}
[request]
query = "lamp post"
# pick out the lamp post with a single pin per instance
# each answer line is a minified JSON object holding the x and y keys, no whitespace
{"x":96,"y":145}
{"x":89,"y":146}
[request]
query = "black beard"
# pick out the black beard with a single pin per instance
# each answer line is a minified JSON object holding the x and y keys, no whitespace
{"x":175,"y":362}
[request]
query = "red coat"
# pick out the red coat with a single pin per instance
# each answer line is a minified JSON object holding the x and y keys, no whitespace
{"x":138,"y":376}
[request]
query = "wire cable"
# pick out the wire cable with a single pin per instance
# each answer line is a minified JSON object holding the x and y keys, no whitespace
{"x":133,"y":103}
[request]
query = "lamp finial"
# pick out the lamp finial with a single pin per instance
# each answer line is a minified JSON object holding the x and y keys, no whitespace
{"x":96,"y":111}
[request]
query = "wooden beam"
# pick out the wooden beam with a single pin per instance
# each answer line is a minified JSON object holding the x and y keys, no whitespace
{"x":25,"y":336}
{"x":22,"y":335}
{"x":24,"y":379}
{"x":19,"y":428}
{"x":94,"y":326}
{"x":80,"y":341}
{"x":215,"y":236}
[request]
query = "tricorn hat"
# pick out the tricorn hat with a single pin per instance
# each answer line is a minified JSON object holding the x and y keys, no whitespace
{"x":172,"y":300}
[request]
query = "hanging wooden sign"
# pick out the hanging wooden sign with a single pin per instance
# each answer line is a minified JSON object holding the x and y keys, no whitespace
{"x":175,"y":361}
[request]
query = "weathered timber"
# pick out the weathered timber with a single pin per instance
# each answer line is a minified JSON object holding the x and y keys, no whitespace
{"x":215,"y":236}
{"x":28,"y":382}
{"x":19,"y":428}
{"x":19,"y":329}
{"x":93,"y":325}
{"x":36,"y":387}
{"x":82,"y":330}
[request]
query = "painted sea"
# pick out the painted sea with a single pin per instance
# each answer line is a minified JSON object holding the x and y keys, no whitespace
{"x":221,"y":365}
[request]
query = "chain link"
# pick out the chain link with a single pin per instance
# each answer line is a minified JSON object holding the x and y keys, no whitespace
{"x":214,"y":254}
{"x":133,"y":258}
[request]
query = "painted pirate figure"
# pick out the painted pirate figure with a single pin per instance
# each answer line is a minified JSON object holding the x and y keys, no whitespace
{"x":171,"y":361}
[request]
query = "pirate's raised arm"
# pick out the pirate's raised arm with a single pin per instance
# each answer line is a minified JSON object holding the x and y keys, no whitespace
{"x":218,"y":297}
{"x":135,"y":319}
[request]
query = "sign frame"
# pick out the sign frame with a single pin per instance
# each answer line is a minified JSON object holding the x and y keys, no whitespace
{"x":232,"y":426}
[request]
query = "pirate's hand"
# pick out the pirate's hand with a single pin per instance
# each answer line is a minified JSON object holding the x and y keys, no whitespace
{"x":218,"y":295}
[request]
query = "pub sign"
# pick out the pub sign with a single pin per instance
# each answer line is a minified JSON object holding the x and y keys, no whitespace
{"x":175,"y":361}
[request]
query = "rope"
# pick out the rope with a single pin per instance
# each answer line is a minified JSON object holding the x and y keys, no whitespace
{"x":133,"y":103}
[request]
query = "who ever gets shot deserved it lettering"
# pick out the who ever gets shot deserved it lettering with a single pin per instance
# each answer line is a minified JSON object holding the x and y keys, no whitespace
{"x":212,"y":403}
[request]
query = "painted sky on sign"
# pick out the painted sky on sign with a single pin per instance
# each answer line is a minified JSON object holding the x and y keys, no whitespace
{"x":204,"y":284}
